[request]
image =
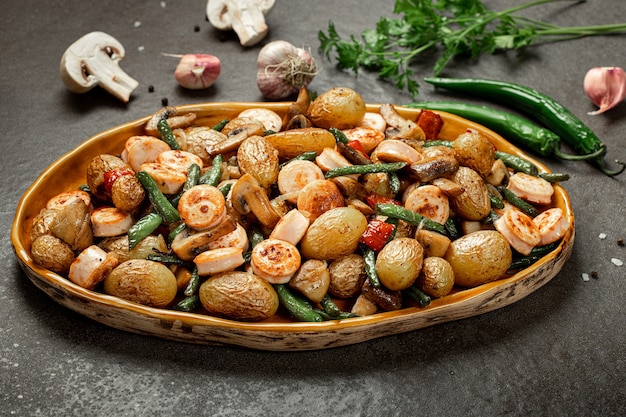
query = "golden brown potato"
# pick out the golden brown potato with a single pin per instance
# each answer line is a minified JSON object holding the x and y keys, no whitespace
{"x":142,"y":281}
{"x":475,"y":151}
{"x":294,"y":142}
{"x":257,"y":157}
{"x":127,"y":193}
{"x":339,"y":107}
{"x":436,"y":278}
{"x":479,"y":257}
{"x":333,"y":234}
{"x":399,"y":263}
{"x":52,"y":253}
{"x":239,"y":296}
{"x":347,"y":275}
{"x":95,"y":173}
{"x":473,"y":203}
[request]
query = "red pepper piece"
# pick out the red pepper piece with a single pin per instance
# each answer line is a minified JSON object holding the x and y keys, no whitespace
{"x":377,"y":234}
{"x":113,"y":175}
{"x":358,"y":146}
{"x":373,"y":199}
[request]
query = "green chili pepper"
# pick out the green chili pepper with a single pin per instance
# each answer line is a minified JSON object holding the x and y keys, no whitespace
{"x":512,"y":127}
{"x":545,"y":109}
{"x":166,"y":134}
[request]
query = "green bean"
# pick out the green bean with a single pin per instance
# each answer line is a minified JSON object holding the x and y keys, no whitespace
{"x":446,"y":143}
{"x":394,"y":182}
{"x":213,"y":175}
{"x":143,"y":228}
{"x":339,"y":135}
{"x":165,"y":259}
{"x":166,"y":134}
{"x":193,"y":284}
{"x":220,"y":126}
{"x":297,"y":306}
{"x":330,"y":307}
{"x":306,"y":156}
{"x":517,"y":163}
{"x":342,"y":315}
{"x":369,"y":257}
{"x":193,"y":175}
{"x":188,"y":304}
{"x":451,"y":229}
{"x":364,"y":169}
{"x":521,"y":204}
{"x":417,"y":295}
{"x":179,"y":228}
{"x":411,"y":217}
{"x":157,"y":198}
{"x":225,"y":189}
{"x":553,"y":176}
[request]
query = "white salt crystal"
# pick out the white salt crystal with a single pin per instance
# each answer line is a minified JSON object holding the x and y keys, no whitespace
{"x":137,"y":24}
{"x":617,"y":262}
{"x":602,"y":235}
{"x":585,"y":276}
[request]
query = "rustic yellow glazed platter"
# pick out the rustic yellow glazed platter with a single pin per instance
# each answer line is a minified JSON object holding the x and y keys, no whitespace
{"x":278,"y":333}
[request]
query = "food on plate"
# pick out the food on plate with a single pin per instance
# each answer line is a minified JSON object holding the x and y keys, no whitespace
{"x":246,"y":223}
{"x":94,"y":60}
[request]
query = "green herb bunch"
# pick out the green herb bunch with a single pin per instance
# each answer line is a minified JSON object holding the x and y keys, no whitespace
{"x":456,"y":27}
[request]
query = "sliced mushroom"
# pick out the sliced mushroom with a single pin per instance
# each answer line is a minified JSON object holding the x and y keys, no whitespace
{"x":189,"y":244}
{"x":245,"y":17}
{"x":174,"y":120}
{"x":399,"y":127}
{"x":72,"y":224}
{"x":94,"y":60}
{"x":248,"y":196}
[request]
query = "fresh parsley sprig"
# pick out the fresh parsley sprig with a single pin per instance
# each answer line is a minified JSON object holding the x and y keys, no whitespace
{"x":449,"y":28}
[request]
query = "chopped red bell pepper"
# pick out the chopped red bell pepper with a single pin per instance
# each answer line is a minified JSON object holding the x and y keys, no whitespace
{"x":113,"y":175}
{"x":373,"y":199}
{"x":377,"y":234}
{"x":358,"y":146}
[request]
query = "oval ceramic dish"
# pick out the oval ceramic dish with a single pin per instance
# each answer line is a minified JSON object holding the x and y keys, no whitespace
{"x":278,"y":333}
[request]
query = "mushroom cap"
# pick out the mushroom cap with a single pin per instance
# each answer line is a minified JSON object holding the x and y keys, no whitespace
{"x":219,"y":11}
{"x":94,"y":60}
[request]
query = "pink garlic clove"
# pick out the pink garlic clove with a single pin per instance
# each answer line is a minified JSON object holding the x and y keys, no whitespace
{"x":197,"y":71}
{"x":606,"y":87}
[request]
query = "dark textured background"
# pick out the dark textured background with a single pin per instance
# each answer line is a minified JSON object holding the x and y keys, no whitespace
{"x":559,"y":352}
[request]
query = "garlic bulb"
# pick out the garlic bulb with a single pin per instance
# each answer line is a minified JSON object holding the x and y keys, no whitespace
{"x":282,"y":69}
{"x":197,"y":71}
{"x":606,"y":87}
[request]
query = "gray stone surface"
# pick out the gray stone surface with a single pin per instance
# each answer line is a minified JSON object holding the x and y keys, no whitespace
{"x":559,"y":352}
